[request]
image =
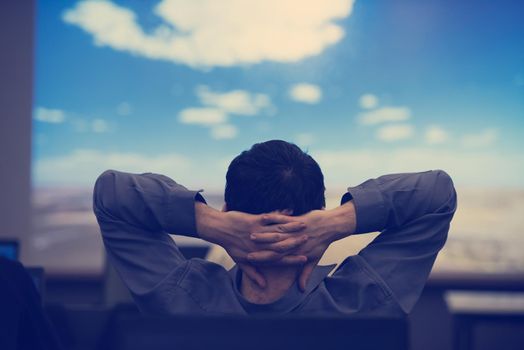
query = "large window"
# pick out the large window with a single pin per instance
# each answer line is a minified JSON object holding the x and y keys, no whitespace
{"x":368,"y":87}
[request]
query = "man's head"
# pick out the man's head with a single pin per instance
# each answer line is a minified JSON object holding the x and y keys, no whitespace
{"x":274,"y":175}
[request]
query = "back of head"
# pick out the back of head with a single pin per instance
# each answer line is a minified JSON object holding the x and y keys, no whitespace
{"x":274,"y":175}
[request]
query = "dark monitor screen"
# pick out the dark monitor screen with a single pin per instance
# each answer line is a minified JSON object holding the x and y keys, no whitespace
{"x":484,"y":331}
{"x":132,"y":331}
{"x":9,"y":249}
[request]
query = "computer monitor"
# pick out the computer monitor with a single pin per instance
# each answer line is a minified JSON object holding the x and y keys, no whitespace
{"x":9,"y":249}
{"x":130,"y":331}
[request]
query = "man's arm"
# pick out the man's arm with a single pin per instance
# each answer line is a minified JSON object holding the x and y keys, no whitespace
{"x":137,"y":212}
{"x":412,"y":211}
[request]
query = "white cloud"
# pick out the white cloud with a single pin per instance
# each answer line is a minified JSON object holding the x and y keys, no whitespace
{"x":224,"y":131}
{"x":96,"y":125}
{"x":208,"y":33}
{"x":467,"y":167}
{"x":81,"y":167}
{"x":368,"y":101}
{"x":392,"y":133}
{"x":435,"y":135}
{"x":202,"y":116}
{"x":341,"y":168}
{"x":385,"y":114}
{"x":305,"y":139}
{"x":84,"y":165}
{"x":99,"y":126}
{"x":235,"y":102}
{"x":47,"y":115}
{"x":485,"y":138}
{"x":124,"y":109}
{"x":58,"y":116}
{"x":218,"y":108}
{"x":307,"y":93}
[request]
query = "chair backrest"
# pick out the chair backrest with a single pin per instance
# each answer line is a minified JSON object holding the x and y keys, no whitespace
{"x":37,"y":274}
{"x":129,"y":331}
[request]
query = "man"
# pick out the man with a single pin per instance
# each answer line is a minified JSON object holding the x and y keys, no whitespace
{"x":274,"y":227}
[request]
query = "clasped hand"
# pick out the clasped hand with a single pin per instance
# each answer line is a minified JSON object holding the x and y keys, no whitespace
{"x":274,"y":238}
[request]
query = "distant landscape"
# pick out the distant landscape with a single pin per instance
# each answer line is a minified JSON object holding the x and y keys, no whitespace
{"x":486,"y":234}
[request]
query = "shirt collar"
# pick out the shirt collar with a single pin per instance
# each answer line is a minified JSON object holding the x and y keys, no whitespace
{"x":290,"y":300}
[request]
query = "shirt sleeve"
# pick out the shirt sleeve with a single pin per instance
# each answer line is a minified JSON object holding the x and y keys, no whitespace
{"x":136,"y":214}
{"x":413,"y":213}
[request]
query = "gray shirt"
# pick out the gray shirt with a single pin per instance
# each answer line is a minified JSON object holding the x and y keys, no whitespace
{"x":136,"y":214}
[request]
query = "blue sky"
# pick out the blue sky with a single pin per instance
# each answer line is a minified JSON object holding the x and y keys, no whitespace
{"x":367,"y":87}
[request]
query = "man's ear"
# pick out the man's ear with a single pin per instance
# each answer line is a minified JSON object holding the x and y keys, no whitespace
{"x":224,"y":207}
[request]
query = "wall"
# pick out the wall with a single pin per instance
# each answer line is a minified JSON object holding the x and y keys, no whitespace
{"x":16,"y":76}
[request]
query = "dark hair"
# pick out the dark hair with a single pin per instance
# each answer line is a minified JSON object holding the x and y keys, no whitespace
{"x":274,"y":175}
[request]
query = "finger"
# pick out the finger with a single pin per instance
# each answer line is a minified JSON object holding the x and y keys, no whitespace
{"x":282,"y":228}
{"x":291,"y":227}
{"x":288,"y":244}
{"x":286,"y":212}
{"x":306,"y":273}
{"x":268,"y":237}
{"x":264,"y":256}
{"x":252,"y":273}
{"x":273,"y":218}
{"x":293,"y":260}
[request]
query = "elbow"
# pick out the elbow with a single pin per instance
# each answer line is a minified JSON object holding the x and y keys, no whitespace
{"x":104,"y":193}
{"x":445,"y":196}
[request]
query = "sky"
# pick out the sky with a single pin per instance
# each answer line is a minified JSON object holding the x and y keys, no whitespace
{"x":366,"y":87}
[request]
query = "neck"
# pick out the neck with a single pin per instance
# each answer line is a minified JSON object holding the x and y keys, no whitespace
{"x":278,"y":281}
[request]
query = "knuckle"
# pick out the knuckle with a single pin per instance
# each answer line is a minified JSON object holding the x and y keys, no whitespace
{"x":281,"y":248}
{"x":274,"y":255}
{"x":293,"y":244}
{"x":298,"y":240}
{"x":265,"y":255}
